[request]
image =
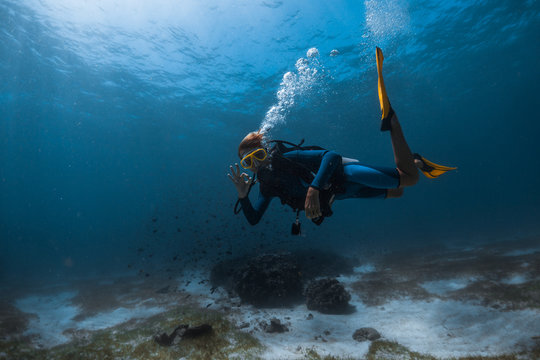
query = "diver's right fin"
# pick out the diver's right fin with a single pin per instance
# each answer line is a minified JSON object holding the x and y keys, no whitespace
{"x":386,"y":108}
{"x":430,"y":169}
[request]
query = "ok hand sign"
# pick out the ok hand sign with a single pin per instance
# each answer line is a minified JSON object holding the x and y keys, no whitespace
{"x":241,"y":181}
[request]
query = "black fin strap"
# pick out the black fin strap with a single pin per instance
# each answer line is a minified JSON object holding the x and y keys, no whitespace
{"x":425,"y":167}
{"x":386,"y":125}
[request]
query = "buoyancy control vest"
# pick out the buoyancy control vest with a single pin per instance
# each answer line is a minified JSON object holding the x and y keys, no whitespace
{"x":277,"y":179}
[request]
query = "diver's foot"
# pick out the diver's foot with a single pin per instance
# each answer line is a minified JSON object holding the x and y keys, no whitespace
{"x":420,"y":164}
{"x":429,"y":168}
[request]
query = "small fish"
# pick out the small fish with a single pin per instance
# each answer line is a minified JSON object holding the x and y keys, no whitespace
{"x":147,"y":274}
{"x":175,"y":257}
{"x":187,"y":296}
{"x":155,"y":231}
{"x":150,"y":255}
{"x":154,"y":219}
{"x":178,"y":230}
{"x":187,"y":283}
{"x":207,"y":306}
{"x":129,"y":266}
{"x":228,"y":252}
{"x":140,"y":250}
{"x":213,"y":289}
{"x":176,"y":217}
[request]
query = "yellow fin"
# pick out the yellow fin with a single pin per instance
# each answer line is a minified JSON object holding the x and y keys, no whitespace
{"x":432,"y":170}
{"x":383,"y":98}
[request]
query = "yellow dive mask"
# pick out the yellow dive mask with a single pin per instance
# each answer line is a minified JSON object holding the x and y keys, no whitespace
{"x":258,"y":154}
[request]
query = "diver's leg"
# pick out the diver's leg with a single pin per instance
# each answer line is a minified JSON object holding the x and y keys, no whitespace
{"x":394,"y":193}
{"x":403,"y":157}
{"x":360,"y":176}
{"x":408,"y":172}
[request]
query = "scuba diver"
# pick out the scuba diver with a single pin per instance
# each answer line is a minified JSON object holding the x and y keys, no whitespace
{"x":310,"y":178}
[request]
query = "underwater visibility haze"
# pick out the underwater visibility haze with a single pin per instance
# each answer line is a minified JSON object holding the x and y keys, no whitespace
{"x":119,"y":120}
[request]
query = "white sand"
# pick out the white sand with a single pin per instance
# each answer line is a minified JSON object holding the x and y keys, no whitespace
{"x":522,"y":252}
{"x":364,"y":269}
{"x":441,"y":327}
{"x":55,"y":314}
{"x":515,"y":279}
{"x":441,"y":287}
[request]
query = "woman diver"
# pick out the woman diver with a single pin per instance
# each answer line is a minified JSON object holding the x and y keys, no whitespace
{"x":311,"y":178}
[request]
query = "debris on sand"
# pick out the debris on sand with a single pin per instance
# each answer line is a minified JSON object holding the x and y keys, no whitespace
{"x":183,"y":332}
{"x":275,"y":326}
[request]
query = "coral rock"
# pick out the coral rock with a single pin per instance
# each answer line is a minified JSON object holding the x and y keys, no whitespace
{"x":328,"y":296}
{"x":367,"y":333}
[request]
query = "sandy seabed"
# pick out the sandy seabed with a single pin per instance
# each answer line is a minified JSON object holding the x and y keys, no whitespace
{"x":447,"y":304}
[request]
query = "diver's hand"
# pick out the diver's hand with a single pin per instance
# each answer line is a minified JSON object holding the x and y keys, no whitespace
{"x":241,"y":181}
{"x":312,"y":205}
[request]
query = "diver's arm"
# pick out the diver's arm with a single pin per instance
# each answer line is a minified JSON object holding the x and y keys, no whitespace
{"x":254,"y":213}
{"x":326,"y":161}
{"x":329,"y":163}
{"x":243,"y":183}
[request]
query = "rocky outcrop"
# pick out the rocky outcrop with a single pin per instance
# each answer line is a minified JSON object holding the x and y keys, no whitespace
{"x":275,"y":326}
{"x":271,"y":280}
{"x":328,"y":296}
{"x":276,"y":280}
{"x":365,"y":334}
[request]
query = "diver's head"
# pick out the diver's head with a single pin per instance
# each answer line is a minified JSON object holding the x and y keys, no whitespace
{"x":252,"y":151}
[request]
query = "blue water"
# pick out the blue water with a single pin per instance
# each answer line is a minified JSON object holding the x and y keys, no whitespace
{"x":119,"y":121}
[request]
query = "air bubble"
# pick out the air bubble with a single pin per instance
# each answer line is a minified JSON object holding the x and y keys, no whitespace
{"x":313,"y":52}
{"x":293,"y":84}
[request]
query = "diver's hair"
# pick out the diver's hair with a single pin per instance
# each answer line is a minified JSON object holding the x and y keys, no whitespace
{"x":254,"y":139}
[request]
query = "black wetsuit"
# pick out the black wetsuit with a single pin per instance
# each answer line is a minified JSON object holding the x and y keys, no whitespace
{"x":350,"y":180}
